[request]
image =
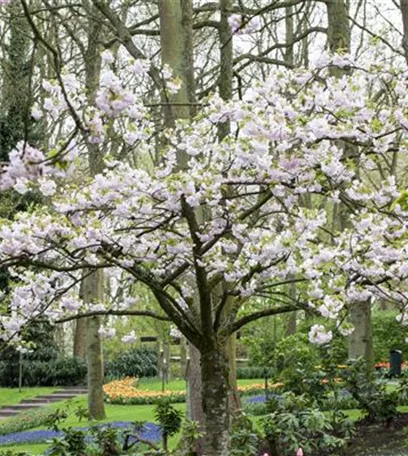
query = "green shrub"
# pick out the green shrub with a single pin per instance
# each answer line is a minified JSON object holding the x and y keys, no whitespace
{"x":248,"y":373}
{"x":138,"y":362}
{"x":58,"y":372}
{"x":244,"y":438}
{"x":387,"y":335}
{"x":297,"y":422}
{"x":373,"y":399}
{"x":40,"y":338}
{"x":169,"y":419}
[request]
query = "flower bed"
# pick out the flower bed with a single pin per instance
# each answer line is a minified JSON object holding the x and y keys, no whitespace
{"x":126,"y":392}
{"x":150,"y":431}
{"x":26,"y":420}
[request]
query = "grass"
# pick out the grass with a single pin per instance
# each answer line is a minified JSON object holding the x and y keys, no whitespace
{"x":113,"y":412}
{"x":128,"y":412}
{"x":11,"y":396}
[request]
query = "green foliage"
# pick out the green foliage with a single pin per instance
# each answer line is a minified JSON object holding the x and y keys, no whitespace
{"x":190,"y":434}
{"x":297,"y":422}
{"x":39,"y":338}
{"x":248,"y":373}
{"x":57,"y":372}
{"x":138,"y":362}
{"x":378,"y":404}
{"x":169,"y":419}
{"x":387,"y":335}
{"x":244,"y":437}
{"x":73,"y":443}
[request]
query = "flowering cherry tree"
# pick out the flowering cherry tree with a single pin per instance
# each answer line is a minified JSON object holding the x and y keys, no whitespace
{"x":207,"y":238}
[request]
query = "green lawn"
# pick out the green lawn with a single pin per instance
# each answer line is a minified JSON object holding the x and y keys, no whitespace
{"x":10,"y":396}
{"x":114,"y":413}
{"x":128,"y":412}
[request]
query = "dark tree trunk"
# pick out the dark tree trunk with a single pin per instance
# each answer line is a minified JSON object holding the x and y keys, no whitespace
{"x":214,"y":377}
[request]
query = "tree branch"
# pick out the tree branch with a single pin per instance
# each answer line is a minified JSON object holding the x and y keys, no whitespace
{"x":234,"y":327}
{"x":118,"y":313}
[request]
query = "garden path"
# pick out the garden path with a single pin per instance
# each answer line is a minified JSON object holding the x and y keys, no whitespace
{"x":40,"y":401}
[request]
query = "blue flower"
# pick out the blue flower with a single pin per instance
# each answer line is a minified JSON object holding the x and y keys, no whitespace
{"x":150,"y":432}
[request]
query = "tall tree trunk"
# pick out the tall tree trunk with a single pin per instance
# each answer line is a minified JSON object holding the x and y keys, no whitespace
{"x":93,"y":288}
{"x":289,"y":24}
{"x":195,"y":410}
{"x":339,"y":26}
{"x":360,"y":342}
{"x":214,"y":377}
{"x":225,"y":88}
{"x":16,"y":91}
{"x":176,"y":35}
{"x":79,"y":350}
{"x":404,"y":13}
{"x":80,"y":339}
{"x":93,"y":284}
{"x":174,"y":46}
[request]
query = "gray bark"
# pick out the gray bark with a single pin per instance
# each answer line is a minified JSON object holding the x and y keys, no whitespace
{"x":93,"y":284}
{"x":214,"y":375}
{"x":93,"y":293}
{"x":339,"y":26}
{"x":360,"y":343}
{"x":177,"y":52}
{"x":404,"y":13}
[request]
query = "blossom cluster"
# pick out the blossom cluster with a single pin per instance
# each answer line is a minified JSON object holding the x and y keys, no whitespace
{"x":299,"y":147}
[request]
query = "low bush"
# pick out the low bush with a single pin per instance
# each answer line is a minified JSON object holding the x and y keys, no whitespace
{"x":378,"y":404}
{"x":138,"y":362}
{"x":245,"y":439}
{"x":58,"y":372}
{"x":249,"y":373}
{"x":297,"y":422}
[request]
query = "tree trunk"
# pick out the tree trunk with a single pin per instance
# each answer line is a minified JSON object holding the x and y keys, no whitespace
{"x":15,"y":121}
{"x":96,"y":405}
{"x":80,"y":332}
{"x":80,"y":338}
{"x":404,"y":12}
{"x":234,"y":398}
{"x":93,"y":289}
{"x":183,"y":357}
{"x":93,"y":285}
{"x":194,"y":397}
{"x":339,"y":26}
{"x":176,"y":36}
{"x":225,"y":88}
{"x":214,"y":377}
{"x":361,"y":341}
{"x":174,"y":53}
{"x":289,"y":25}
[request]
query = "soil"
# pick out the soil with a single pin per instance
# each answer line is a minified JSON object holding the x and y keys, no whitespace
{"x":380,"y":440}
{"x":375,"y":440}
